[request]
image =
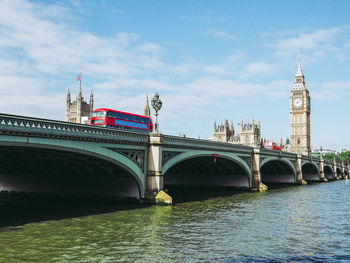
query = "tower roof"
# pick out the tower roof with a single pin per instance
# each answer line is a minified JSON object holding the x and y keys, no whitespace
{"x":299,"y":71}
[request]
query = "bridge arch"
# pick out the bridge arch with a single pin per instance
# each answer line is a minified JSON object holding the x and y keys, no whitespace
{"x":74,"y":167}
{"x":339,"y":173}
{"x":277,"y":170}
{"x":310,"y":171}
{"x":199,"y":169}
{"x":328,"y":172}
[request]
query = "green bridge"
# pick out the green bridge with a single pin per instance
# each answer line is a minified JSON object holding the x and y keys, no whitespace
{"x":40,"y":155}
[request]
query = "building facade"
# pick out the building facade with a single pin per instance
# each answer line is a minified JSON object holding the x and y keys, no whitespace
{"x":249,"y":133}
{"x":300,"y":109}
{"x":79,"y":111}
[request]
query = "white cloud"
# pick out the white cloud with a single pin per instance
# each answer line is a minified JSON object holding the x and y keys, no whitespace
{"x":221,"y":34}
{"x":217,"y":70}
{"x":28,"y":96}
{"x":36,"y":50}
{"x":55,"y":48}
{"x":237,"y":56}
{"x":278,"y":34}
{"x":214,"y":88}
{"x":259,"y":68}
{"x":347,"y":45}
{"x":318,"y":41}
{"x":341,"y":57}
{"x":150,"y":48}
{"x":331,"y":90}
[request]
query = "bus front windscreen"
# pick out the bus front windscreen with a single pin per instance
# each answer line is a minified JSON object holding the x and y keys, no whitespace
{"x":98,"y":114}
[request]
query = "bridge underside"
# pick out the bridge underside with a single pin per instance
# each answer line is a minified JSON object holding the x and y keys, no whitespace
{"x":328,"y":173}
{"x":26,"y":169}
{"x":339,"y":173}
{"x":310,"y":172}
{"x":203,"y":171}
{"x":277,"y":172}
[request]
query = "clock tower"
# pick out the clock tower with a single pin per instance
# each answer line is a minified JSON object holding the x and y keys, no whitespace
{"x":300,"y":109}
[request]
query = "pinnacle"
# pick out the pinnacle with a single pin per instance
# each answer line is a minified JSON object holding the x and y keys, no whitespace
{"x":299,"y":71}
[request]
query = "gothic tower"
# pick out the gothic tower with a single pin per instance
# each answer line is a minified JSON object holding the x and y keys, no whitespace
{"x":79,"y":106}
{"x":300,"y":109}
{"x":250,"y":133}
{"x":79,"y":111}
{"x":91,"y":104}
{"x":146,"y":109}
{"x":68,"y":104}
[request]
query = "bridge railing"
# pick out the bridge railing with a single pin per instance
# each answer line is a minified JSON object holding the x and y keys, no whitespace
{"x":175,"y":141}
{"x":269,"y":152}
{"x":20,"y":125}
{"x":315,"y":159}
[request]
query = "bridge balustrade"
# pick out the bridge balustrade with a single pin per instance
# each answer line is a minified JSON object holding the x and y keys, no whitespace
{"x":181,"y":141}
{"x":13,"y":124}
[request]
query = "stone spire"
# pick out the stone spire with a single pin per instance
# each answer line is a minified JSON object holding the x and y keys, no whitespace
{"x":299,"y":79}
{"x":91,"y":104}
{"x":299,"y":71}
{"x":68,"y":96}
{"x":147,"y":110}
{"x":68,"y":103}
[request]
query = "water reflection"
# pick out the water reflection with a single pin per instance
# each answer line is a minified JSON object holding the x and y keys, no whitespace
{"x":296,"y":224}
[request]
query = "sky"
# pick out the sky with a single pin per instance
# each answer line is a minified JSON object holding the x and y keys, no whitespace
{"x":208,"y":60}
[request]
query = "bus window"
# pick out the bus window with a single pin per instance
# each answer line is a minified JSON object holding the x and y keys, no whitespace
{"x":98,"y":114}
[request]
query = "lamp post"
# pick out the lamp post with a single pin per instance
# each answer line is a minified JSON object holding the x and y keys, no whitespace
{"x":157,"y":105}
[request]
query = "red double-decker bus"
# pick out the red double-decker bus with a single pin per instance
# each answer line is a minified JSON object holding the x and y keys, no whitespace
{"x":121,"y":120}
{"x":272,"y":146}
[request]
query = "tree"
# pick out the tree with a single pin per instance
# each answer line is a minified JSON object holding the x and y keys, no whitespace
{"x":343,"y":157}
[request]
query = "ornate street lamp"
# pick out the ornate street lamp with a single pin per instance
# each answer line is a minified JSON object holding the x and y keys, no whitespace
{"x":157,"y":105}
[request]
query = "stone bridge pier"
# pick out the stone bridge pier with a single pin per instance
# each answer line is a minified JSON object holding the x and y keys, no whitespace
{"x":154,"y":171}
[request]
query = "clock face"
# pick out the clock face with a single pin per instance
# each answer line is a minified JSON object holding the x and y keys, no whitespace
{"x":297,"y":102}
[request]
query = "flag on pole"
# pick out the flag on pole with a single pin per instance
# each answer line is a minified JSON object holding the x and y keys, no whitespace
{"x":79,"y":77}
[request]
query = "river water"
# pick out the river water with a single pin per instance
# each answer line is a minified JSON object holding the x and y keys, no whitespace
{"x":296,"y":224}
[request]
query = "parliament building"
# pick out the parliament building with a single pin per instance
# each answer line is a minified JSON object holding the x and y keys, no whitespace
{"x":78,"y":110}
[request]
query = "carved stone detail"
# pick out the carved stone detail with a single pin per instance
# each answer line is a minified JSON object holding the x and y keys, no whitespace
{"x":136,"y":156}
{"x":294,"y":162}
{"x":247,"y":159}
{"x":166,"y":156}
